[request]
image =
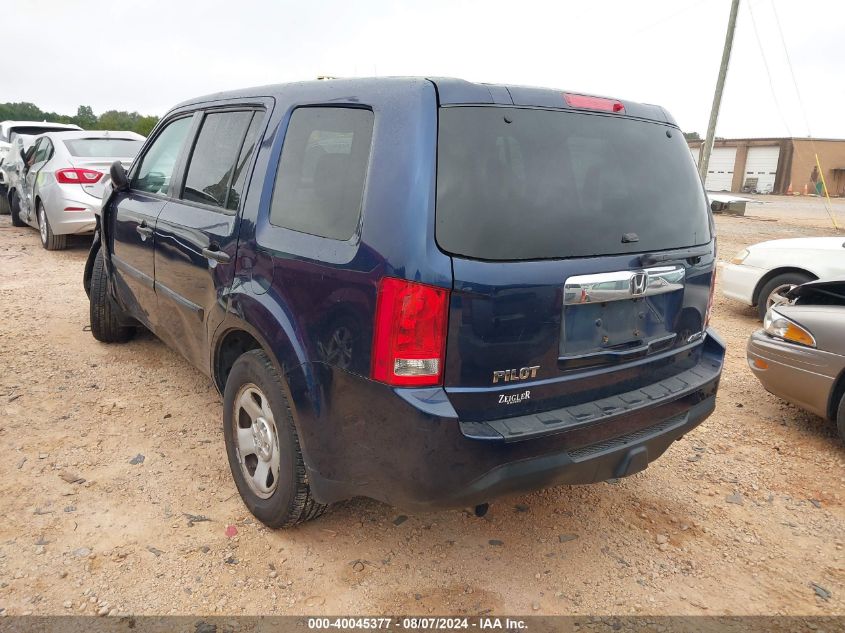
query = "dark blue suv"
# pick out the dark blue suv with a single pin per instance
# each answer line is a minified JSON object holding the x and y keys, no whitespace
{"x":425,"y":291}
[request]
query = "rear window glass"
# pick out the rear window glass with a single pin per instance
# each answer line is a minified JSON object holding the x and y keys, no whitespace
{"x":322,"y":170}
{"x":35,"y":130}
{"x":534,"y":184}
{"x":103,"y":147}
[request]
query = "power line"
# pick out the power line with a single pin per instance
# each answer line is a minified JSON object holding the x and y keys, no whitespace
{"x":666,"y":18}
{"x":791,"y":71}
{"x":768,"y":71}
{"x":827,"y":205}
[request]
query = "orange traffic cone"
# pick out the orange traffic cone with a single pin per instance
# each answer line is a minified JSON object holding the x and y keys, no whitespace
{"x":789,"y":190}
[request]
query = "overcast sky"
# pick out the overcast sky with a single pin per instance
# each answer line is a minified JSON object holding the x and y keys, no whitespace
{"x":146,"y":56}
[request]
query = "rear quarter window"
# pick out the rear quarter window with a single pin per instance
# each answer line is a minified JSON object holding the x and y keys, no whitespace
{"x":518,"y":183}
{"x":322,"y":170}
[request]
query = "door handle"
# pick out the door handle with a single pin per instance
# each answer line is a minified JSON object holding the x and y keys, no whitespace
{"x":143,"y":230}
{"x":216,"y":254}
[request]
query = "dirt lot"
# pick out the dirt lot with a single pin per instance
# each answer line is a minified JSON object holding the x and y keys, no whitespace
{"x":741,"y":517}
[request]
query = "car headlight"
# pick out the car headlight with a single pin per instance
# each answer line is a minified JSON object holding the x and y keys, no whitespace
{"x":778,"y":326}
{"x":740,"y":256}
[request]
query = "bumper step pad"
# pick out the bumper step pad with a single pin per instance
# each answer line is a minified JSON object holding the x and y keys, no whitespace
{"x":537,"y":424}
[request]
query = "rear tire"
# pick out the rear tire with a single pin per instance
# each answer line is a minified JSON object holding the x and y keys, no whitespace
{"x":15,"y":210}
{"x":777,"y":286}
{"x":840,"y":418}
{"x":106,"y":317}
{"x":49,"y":240}
{"x":5,"y":208}
{"x":263,"y":446}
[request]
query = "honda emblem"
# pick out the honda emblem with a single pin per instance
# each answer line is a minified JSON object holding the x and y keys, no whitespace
{"x":639,"y":283}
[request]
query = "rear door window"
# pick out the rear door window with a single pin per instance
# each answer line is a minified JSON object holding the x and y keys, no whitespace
{"x":320,"y":181}
{"x":214,"y":159}
{"x":518,"y":183}
{"x":244,"y":159}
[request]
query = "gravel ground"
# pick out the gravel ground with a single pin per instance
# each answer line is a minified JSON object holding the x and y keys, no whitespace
{"x":116,"y":495}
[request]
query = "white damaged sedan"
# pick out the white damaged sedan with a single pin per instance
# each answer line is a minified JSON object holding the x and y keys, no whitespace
{"x":62,"y":178}
{"x":761,"y":274}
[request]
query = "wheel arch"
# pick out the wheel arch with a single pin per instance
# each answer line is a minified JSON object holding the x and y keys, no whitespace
{"x":234,"y":342}
{"x":236,"y":334}
{"x":755,"y":297}
{"x":89,"y":263}
{"x":836,"y":396}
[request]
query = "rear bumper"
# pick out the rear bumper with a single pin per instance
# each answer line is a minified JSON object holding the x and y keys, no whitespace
{"x":801,"y":375}
{"x":611,"y":459}
{"x":72,"y":222}
{"x":407,"y":447}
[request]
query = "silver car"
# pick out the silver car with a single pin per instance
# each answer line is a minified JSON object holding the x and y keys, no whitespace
{"x":62,"y":181}
{"x":799,"y":355}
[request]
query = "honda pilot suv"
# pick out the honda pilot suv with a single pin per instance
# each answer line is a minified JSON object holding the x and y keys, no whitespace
{"x":424,"y":291}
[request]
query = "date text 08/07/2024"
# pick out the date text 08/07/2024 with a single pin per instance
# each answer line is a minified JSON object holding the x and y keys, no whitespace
{"x":416,"y":623}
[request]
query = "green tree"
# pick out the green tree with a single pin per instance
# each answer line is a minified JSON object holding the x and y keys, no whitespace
{"x":23,"y":111}
{"x":692,"y":136}
{"x":145,"y":125}
{"x":85,"y":117}
{"x":117,"y":120}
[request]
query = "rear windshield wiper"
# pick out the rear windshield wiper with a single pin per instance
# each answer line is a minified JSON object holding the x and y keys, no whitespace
{"x":694,"y":253}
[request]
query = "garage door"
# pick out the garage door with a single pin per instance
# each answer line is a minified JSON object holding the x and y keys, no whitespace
{"x":720,"y":170}
{"x":762,"y":165}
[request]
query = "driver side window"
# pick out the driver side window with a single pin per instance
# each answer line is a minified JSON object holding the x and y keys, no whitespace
{"x":156,"y":168}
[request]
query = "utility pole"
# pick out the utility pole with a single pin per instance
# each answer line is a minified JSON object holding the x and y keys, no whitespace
{"x":717,"y":96}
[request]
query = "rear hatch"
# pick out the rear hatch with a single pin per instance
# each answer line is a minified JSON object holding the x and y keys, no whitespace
{"x":98,"y":154}
{"x":582,"y":256}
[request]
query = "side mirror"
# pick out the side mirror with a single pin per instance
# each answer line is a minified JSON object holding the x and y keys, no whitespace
{"x":119,"y":179}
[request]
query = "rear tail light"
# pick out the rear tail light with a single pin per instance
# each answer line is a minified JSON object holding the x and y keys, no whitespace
{"x":586,"y":102}
{"x":78,"y":176}
{"x":409,"y":342}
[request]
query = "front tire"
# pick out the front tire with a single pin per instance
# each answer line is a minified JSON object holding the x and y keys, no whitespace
{"x":106,"y":318}
{"x":15,"y":210}
{"x":263,"y":446}
{"x":840,"y":418}
{"x":49,"y":240}
{"x":775,"y":288}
